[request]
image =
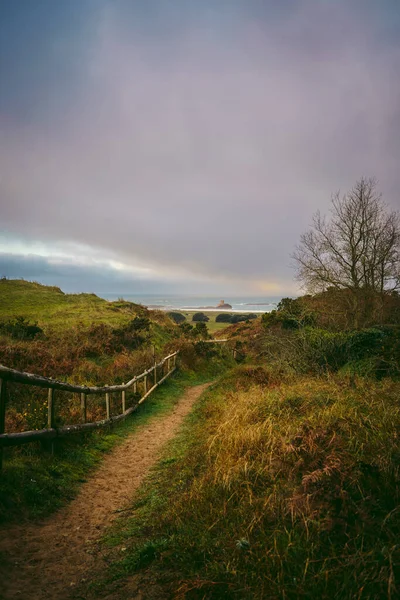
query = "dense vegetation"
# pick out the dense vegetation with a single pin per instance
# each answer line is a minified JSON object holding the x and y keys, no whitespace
{"x":177,"y":317}
{"x":75,"y":337}
{"x":82,"y":339}
{"x":278,"y":488}
{"x":285,"y":482}
{"x":200,"y":317}
{"x":234,"y":318}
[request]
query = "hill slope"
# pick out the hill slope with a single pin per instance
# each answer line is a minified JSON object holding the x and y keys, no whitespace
{"x":52,"y":308}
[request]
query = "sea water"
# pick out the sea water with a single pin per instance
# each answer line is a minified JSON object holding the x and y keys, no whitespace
{"x":245,"y":304}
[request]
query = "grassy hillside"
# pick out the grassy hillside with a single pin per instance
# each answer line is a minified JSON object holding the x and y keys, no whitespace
{"x":78,"y":338}
{"x":276,"y":489}
{"x":66,"y":319}
{"x":53,"y":310}
{"x":83,"y":339}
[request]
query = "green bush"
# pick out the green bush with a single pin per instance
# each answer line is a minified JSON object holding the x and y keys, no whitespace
{"x":223,"y":318}
{"x":186,"y":328}
{"x":310,"y":349}
{"x":291,"y":313}
{"x":177,"y":317}
{"x":229,"y":318}
{"x":200,"y":317}
{"x":243,"y":318}
{"x":20,"y":328}
{"x":200,"y":330}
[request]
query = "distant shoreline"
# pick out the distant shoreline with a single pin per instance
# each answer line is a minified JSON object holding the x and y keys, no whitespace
{"x":211,"y":304}
{"x":204,"y":309}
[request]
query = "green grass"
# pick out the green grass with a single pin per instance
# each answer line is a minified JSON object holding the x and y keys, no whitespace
{"x":286,"y":490}
{"x":54,"y":310}
{"x":34,"y":483}
{"x":212,"y":326}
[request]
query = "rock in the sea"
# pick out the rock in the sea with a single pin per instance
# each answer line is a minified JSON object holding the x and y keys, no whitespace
{"x":223,"y":304}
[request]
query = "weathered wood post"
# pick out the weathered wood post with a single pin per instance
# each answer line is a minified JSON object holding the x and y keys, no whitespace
{"x":84,"y":407}
{"x":145,"y":384}
{"x":154,"y":365}
{"x":50,"y":408}
{"x":49,"y":447}
{"x":123,"y":401}
{"x":3,"y":396}
{"x":168,"y":365}
{"x":135,"y":387}
{"x":108,"y":406}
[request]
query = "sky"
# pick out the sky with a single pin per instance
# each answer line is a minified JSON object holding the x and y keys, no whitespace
{"x":178,"y":146}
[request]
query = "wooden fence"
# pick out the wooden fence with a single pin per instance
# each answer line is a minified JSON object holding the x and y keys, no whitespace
{"x":150,"y":383}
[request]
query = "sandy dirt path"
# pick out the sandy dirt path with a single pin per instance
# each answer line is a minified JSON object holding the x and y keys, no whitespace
{"x":48,"y":559}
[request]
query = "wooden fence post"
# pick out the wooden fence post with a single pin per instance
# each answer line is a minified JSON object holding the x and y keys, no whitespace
{"x":84,"y":407}
{"x":3,"y":396}
{"x":123,"y":401}
{"x":47,"y":445}
{"x":108,"y":405}
{"x":154,"y":364}
{"x":47,"y":437}
{"x":50,"y":408}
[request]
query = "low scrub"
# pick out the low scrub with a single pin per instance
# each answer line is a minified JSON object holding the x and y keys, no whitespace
{"x":177,"y":317}
{"x":20,"y":328}
{"x":235,"y":318}
{"x":200,"y":317}
{"x":275,"y":491}
{"x":312,"y":350}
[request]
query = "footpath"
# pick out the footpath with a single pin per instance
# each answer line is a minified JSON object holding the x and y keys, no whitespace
{"x":49,"y":559}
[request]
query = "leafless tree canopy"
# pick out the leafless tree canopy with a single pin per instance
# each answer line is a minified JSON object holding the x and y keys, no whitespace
{"x":358,"y":248}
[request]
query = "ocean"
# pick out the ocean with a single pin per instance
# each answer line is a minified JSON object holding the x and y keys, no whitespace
{"x":245,"y":304}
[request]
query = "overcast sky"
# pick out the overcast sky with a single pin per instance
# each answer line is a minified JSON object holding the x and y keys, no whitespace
{"x":183,"y":146}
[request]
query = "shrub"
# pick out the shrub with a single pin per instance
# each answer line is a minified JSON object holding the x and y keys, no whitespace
{"x":316,"y":350}
{"x":177,"y":317}
{"x":20,"y":328}
{"x":223,"y":318}
{"x":128,"y":335}
{"x":291,"y":313}
{"x":242,"y":318}
{"x":186,"y":328}
{"x":201,"y":317}
{"x":200,"y":330}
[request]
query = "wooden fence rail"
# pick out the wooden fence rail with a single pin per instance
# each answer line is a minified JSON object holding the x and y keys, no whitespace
{"x":52,"y":432}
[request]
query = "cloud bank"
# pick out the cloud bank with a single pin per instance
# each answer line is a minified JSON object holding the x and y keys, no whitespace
{"x":198,"y":142}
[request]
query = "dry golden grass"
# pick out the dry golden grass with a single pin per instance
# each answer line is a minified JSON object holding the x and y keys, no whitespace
{"x":275,"y":490}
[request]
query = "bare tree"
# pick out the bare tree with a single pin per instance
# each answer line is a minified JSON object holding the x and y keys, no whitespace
{"x":357,"y":249}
